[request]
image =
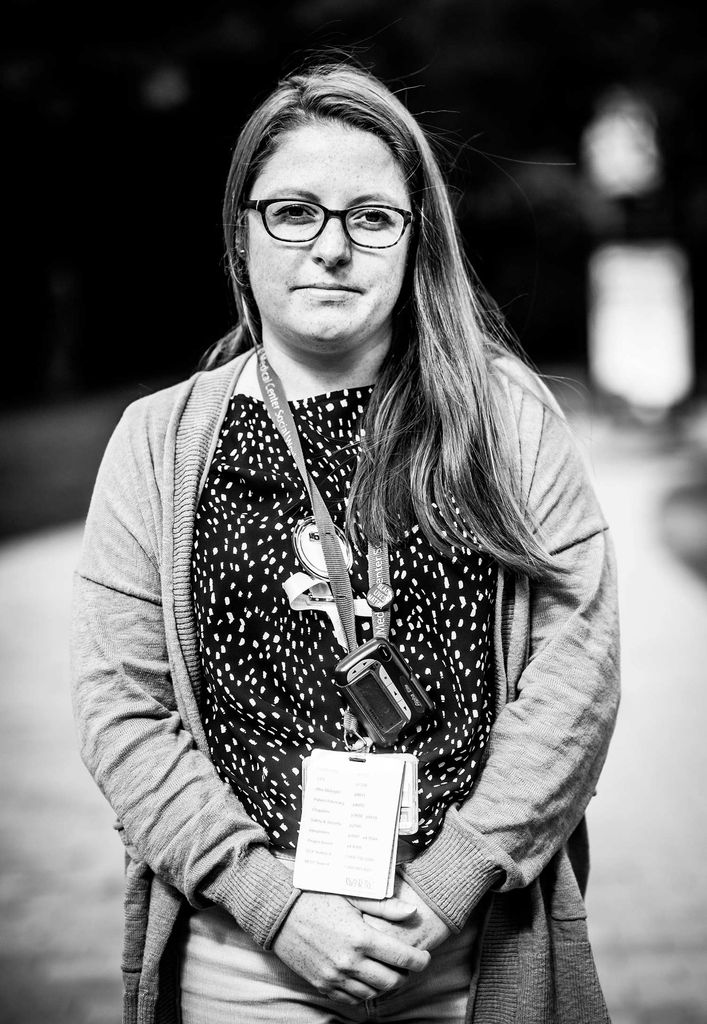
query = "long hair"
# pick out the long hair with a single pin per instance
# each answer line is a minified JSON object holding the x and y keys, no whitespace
{"x":434,"y":451}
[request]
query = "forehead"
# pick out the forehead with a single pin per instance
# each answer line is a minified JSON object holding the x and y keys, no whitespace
{"x":330,"y":159}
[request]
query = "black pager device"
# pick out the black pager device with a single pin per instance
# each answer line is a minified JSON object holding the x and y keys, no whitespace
{"x":381,"y":690}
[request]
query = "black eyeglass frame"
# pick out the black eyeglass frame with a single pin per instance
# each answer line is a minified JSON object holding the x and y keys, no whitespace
{"x":261,"y":205}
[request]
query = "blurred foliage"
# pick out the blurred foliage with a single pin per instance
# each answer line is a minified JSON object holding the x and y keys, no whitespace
{"x":121,"y":119}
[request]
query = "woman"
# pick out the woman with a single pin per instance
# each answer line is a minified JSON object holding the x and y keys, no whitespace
{"x":360,"y":476}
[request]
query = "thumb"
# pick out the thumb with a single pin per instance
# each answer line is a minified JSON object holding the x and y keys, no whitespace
{"x":392,"y":909}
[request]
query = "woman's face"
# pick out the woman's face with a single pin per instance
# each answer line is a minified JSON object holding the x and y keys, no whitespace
{"x":327,"y":296}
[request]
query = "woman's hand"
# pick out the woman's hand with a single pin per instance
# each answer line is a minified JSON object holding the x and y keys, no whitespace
{"x":345,"y":957}
{"x":422,"y":929}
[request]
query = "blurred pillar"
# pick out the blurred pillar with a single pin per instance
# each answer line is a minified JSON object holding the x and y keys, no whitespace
{"x":640,"y":324}
{"x":641,"y":346}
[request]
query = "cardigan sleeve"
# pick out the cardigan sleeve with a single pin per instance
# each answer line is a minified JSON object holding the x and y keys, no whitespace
{"x":547,"y":746}
{"x":177,"y":815}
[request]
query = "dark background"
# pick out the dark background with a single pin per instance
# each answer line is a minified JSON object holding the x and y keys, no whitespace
{"x":120,"y":120}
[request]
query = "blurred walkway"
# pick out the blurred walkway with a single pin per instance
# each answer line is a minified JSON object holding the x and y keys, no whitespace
{"x":647,"y":897}
{"x":60,"y":879}
{"x":61,"y":863}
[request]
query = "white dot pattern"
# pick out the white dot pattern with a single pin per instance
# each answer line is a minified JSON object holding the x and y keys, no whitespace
{"x":269,"y":698}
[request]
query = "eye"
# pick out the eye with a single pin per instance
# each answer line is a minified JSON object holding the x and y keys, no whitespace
{"x":292,"y":213}
{"x":372,"y":218}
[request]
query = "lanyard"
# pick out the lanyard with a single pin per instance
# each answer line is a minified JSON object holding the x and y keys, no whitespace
{"x":378,"y":562}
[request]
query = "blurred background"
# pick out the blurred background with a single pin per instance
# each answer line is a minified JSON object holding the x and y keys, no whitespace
{"x":572,"y":135}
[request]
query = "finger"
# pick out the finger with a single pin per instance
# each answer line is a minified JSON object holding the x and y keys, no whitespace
{"x":359,"y":991}
{"x":379,"y":977}
{"x":337,"y":995}
{"x":379,"y":923}
{"x":393,"y":909}
{"x":390,"y":950}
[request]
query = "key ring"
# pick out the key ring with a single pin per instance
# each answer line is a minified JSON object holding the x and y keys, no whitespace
{"x":354,"y":742}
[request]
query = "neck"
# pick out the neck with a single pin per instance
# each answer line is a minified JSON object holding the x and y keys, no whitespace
{"x":304,"y":374}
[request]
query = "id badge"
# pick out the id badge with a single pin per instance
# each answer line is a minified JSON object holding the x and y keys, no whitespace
{"x":348,"y":837}
{"x":409,"y":819}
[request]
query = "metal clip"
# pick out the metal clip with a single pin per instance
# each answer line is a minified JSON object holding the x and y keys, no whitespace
{"x":354,"y":742}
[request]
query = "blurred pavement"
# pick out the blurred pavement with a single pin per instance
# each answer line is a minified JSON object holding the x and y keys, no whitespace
{"x":647,"y":898}
{"x":61,"y":864}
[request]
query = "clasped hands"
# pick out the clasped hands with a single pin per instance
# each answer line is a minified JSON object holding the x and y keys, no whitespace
{"x":351,"y":949}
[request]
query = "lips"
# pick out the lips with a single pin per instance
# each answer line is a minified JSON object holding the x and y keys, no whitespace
{"x":326,"y":288}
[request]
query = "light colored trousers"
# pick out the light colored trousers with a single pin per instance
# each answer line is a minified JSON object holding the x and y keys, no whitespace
{"x":227,"y":979}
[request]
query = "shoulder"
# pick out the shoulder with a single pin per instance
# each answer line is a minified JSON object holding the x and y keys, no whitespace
{"x":136,"y":478}
{"x":554,"y":471}
{"x":528,"y":414}
{"x":155,"y":411}
{"x":148,"y":423}
{"x":525,"y":391}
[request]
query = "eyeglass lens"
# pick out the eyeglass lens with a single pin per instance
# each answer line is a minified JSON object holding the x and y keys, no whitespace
{"x":372,"y":226}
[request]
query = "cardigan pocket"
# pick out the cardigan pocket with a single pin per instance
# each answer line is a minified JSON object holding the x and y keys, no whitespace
{"x":578,"y":998}
{"x":564,"y":899}
{"x":131,"y":851}
{"x":136,"y":902}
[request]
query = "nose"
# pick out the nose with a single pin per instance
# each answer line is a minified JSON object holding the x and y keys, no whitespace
{"x":332,"y":248}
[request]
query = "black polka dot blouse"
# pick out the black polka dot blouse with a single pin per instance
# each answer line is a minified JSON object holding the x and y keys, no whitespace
{"x":269,"y":696}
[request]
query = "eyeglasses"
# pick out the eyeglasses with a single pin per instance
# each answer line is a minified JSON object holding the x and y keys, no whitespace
{"x":292,"y":220}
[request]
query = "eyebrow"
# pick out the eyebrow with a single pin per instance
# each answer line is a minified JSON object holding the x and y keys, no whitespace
{"x":374,"y":198}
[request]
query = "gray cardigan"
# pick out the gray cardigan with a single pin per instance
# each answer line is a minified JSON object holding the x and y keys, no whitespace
{"x":519,"y":837}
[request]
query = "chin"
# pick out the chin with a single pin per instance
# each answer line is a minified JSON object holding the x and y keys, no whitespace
{"x":330,"y":342}
{"x":331,"y":334}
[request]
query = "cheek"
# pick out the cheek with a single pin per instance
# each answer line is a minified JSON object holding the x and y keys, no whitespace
{"x":392,"y":282}
{"x":267,"y":273}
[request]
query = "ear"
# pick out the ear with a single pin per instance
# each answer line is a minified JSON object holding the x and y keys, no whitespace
{"x":240,"y":235}
{"x":240,"y":253}
{"x":241,"y":240}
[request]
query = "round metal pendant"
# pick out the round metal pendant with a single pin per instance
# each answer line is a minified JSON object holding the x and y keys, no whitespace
{"x":380,"y":597}
{"x":308,"y":548}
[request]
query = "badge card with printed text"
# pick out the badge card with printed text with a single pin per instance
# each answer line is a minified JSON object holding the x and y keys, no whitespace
{"x":349,"y":829}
